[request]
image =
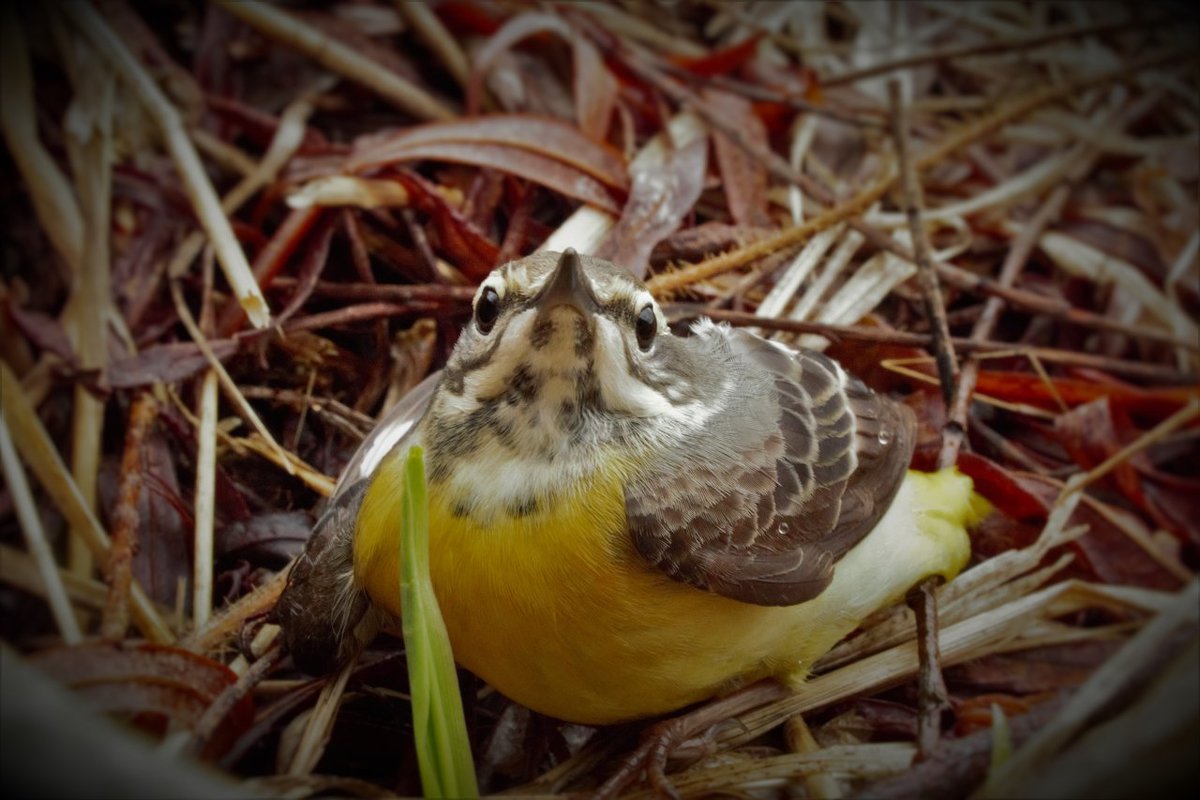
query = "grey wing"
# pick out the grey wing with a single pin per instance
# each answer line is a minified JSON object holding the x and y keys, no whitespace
{"x":386,"y":435}
{"x":325,"y":615}
{"x":779,"y":485}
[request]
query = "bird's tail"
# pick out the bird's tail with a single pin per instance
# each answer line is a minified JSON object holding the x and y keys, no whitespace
{"x":945,"y":505}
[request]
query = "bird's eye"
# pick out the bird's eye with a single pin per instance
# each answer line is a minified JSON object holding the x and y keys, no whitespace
{"x":645,"y":327}
{"x":487,"y":309}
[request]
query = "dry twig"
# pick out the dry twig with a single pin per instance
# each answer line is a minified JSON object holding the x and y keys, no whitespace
{"x":125,"y":518}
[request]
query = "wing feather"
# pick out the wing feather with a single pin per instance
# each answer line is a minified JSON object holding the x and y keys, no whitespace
{"x":817,"y":459}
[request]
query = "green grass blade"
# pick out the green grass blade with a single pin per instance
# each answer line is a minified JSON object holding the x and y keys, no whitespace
{"x":1002,"y":746}
{"x":443,"y":748}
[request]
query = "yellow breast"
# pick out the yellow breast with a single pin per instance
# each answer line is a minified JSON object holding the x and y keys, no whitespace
{"x":555,"y":609}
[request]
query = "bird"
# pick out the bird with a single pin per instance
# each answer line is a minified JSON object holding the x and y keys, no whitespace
{"x":625,"y":520}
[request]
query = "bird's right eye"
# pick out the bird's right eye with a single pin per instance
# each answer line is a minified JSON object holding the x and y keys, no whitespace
{"x":487,"y":310}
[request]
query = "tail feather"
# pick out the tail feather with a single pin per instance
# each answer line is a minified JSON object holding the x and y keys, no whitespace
{"x":946,"y":505}
{"x":325,"y":615}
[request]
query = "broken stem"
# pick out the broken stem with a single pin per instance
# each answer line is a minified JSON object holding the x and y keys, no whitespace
{"x":125,"y":518}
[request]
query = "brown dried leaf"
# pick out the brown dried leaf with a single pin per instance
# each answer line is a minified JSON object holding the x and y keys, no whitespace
{"x":1105,"y":553}
{"x":154,"y":685}
{"x":275,"y":536}
{"x":1097,"y":430}
{"x":542,"y":149}
{"x":1171,"y":482}
{"x":43,"y":331}
{"x":1038,"y":669}
{"x":164,"y":363}
{"x":662,"y":195}
{"x":164,"y":520}
{"x":743,"y":178}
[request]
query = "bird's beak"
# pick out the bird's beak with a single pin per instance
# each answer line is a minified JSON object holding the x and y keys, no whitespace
{"x":567,"y":286}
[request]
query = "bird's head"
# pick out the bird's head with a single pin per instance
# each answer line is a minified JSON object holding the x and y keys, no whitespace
{"x":565,"y":355}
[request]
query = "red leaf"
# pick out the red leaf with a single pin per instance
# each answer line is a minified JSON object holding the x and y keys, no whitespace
{"x":744,"y":177}
{"x":1179,"y":511}
{"x":151,"y":683}
{"x":1170,"y":474}
{"x":469,"y":250}
{"x":595,"y":89}
{"x":775,"y":116}
{"x":542,"y":149}
{"x":315,"y":257}
{"x":1023,"y":387}
{"x":1089,"y":433}
{"x":1105,"y":552}
{"x":931,"y":418}
{"x":721,"y":62}
{"x":468,"y":17}
{"x":547,"y":136}
{"x":1001,"y":488}
{"x":975,"y":713}
{"x":1096,"y":431}
{"x":520,"y":203}
{"x":662,"y":195}
{"x":998,"y":533}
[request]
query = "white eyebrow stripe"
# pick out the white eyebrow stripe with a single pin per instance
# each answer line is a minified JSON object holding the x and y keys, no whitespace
{"x":623,"y":391}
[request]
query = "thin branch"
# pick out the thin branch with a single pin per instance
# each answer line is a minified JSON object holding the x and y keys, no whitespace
{"x":86,"y":315}
{"x":225,"y":625}
{"x":1018,"y":253}
{"x":994,"y":46}
{"x":125,"y":518}
{"x":931,"y":291}
{"x":231,"y":390}
{"x":934,"y":699}
{"x":320,"y":722}
{"x":205,"y":503}
{"x":677,"y":279}
{"x":53,"y":199}
{"x":677,"y":312}
{"x":35,"y":538}
{"x":337,"y":414}
{"x":229,"y":697}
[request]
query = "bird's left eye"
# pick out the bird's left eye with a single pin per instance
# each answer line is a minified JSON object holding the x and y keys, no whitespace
{"x":487,"y":309}
{"x":645,"y":327}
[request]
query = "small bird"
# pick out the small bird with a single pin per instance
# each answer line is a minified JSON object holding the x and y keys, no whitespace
{"x":625,"y":521}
